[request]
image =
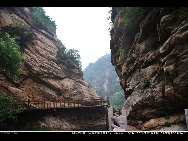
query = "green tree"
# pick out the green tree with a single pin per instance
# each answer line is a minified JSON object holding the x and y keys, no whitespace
{"x":117,"y":100}
{"x":69,"y":56}
{"x":10,"y":56}
{"x":41,"y":20}
{"x":132,"y":15}
{"x":8,"y":114}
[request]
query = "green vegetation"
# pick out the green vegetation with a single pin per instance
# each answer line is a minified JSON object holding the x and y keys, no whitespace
{"x":132,"y":15}
{"x":80,"y":73}
{"x":178,"y":121}
{"x":167,"y":124}
{"x":20,"y":32}
{"x":118,"y":32}
{"x":120,"y":50}
{"x":130,"y":59}
{"x":41,"y":20}
{"x":103,"y":79}
{"x":89,"y":85}
{"x":8,"y":115}
{"x":69,"y":56}
{"x":117,"y":100}
{"x":58,"y":93}
{"x":10,"y":56}
{"x":165,"y":113}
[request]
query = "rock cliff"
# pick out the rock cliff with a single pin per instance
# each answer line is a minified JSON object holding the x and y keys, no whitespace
{"x":42,"y":75}
{"x":151,"y":61}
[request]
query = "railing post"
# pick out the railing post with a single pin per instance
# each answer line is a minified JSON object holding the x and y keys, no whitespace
{"x":54,"y":106}
{"x":107,"y":125}
{"x":54,"y":103}
{"x":91,"y":102}
{"x":94,"y":102}
{"x":101,"y":101}
{"x":44,"y":103}
{"x":123,"y":120}
{"x":119,"y":112}
{"x":38,"y":104}
{"x":28,"y":102}
{"x":23,"y":105}
{"x":108,"y":101}
{"x":110,"y":116}
{"x":186,"y":117}
{"x":81,"y":103}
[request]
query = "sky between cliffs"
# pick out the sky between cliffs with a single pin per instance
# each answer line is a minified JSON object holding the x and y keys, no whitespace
{"x":84,"y":29}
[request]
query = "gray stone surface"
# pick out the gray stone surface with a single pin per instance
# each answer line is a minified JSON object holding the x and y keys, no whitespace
{"x":179,"y":127}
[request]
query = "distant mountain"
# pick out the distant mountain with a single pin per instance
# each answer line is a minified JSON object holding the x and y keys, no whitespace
{"x":102,"y":77}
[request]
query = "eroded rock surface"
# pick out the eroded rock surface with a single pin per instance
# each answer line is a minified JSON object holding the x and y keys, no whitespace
{"x":42,"y":75}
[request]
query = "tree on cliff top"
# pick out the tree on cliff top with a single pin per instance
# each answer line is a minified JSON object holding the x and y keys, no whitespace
{"x":71,"y":58}
{"x":133,"y":15}
{"x":40,"y":19}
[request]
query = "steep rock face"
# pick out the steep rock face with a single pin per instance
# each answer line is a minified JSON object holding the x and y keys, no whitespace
{"x":151,"y":63}
{"x":42,"y":76}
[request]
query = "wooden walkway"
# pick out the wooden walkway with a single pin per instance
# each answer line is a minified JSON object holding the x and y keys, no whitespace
{"x":61,"y":103}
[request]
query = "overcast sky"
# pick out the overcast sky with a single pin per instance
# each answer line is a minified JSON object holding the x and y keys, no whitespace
{"x":84,"y":29}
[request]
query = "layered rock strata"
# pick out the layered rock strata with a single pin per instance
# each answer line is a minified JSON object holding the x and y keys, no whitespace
{"x":42,"y":75}
{"x":151,"y":61}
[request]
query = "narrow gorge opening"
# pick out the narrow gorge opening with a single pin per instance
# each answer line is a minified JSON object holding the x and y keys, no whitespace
{"x":87,"y":30}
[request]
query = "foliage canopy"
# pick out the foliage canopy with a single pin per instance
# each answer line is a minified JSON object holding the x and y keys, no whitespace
{"x":40,"y":19}
{"x":117,"y":100}
{"x":132,"y":15}
{"x":7,"y":113}
{"x":70,"y":57}
{"x":10,"y":56}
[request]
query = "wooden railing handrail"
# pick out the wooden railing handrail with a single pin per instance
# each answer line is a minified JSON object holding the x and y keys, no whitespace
{"x":60,"y":103}
{"x":69,"y":100}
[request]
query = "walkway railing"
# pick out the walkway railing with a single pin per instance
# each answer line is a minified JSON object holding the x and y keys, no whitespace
{"x":119,"y":122}
{"x":61,"y":103}
{"x":116,"y":122}
{"x":186,"y":117}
